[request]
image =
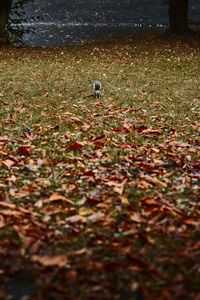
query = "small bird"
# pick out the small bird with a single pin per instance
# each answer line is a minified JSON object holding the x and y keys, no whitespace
{"x":97,"y":89}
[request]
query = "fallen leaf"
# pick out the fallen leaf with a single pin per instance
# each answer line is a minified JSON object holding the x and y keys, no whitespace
{"x":9,"y":212}
{"x":84,"y":211}
{"x":7,"y":204}
{"x":19,"y":193}
{"x":154,"y":180}
{"x":124,"y":200}
{"x":96,"y":217}
{"x":8,"y":163}
{"x":76,"y":219}
{"x":179,"y":144}
{"x":136,"y":217}
{"x":2,"y":222}
{"x":151,"y":131}
{"x":50,"y":261}
{"x":81,"y":251}
{"x":24,"y":150}
{"x":6,"y":139}
{"x":76,"y":146}
{"x":117,"y":187}
{"x":141,"y":128}
{"x":57,"y":196}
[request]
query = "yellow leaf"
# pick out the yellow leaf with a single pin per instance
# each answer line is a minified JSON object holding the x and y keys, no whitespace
{"x":81,"y":251}
{"x":84,"y":211}
{"x":124,"y":200}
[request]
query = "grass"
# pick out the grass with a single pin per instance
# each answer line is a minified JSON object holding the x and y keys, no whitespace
{"x":128,"y":164}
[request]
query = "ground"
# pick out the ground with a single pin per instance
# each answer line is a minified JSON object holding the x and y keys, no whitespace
{"x":100,"y":197}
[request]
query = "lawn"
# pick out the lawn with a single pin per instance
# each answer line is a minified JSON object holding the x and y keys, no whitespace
{"x":100,"y":197}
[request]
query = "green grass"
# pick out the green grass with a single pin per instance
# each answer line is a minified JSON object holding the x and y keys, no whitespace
{"x":144,"y":183}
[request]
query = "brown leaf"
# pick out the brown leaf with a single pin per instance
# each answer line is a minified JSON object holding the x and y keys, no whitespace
{"x":190,"y":221}
{"x":24,"y":192}
{"x":2,"y":223}
{"x":96,"y":217}
{"x":153,"y":180}
{"x":7,"y":204}
{"x":9,"y":212}
{"x":57,"y":196}
{"x":179,"y":144}
{"x":143,"y":184}
{"x":76,"y":219}
{"x":117,"y":187}
{"x":6,"y":139}
{"x":136,"y":217}
{"x":8,"y":163}
{"x":50,"y":261}
{"x":151,"y":131}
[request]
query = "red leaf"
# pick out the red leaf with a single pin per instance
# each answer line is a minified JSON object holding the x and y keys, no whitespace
{"x":141,"y":128}
{"x":76,"y":145}
{"x":89,"y":173}
{"x":102,"y":136}
{"x":24,"y":150}
{"x":134,"y":144}
{"x":112,"y":266}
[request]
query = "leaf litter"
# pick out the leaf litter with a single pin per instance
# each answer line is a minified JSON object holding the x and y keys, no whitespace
{"x":101,"y":198}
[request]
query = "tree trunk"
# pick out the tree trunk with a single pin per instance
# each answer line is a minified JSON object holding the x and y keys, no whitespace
{"x":178,"y":17}
{"x":5,"y":6}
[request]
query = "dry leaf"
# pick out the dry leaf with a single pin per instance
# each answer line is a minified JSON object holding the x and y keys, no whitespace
{"x":96,"y":217}
{"x":151,"y":131}
{"x":50,"y":261}
{"x":84,"y":211}
{"x":154,"y":180}
{"x":56,"y":196}
{"x":2,"y":222}
{"x":8,"y":163}
{"x":76,"y":219}
{"x":124,"y":200}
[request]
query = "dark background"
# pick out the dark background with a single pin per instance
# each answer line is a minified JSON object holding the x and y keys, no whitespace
{"x":71,"y":21}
